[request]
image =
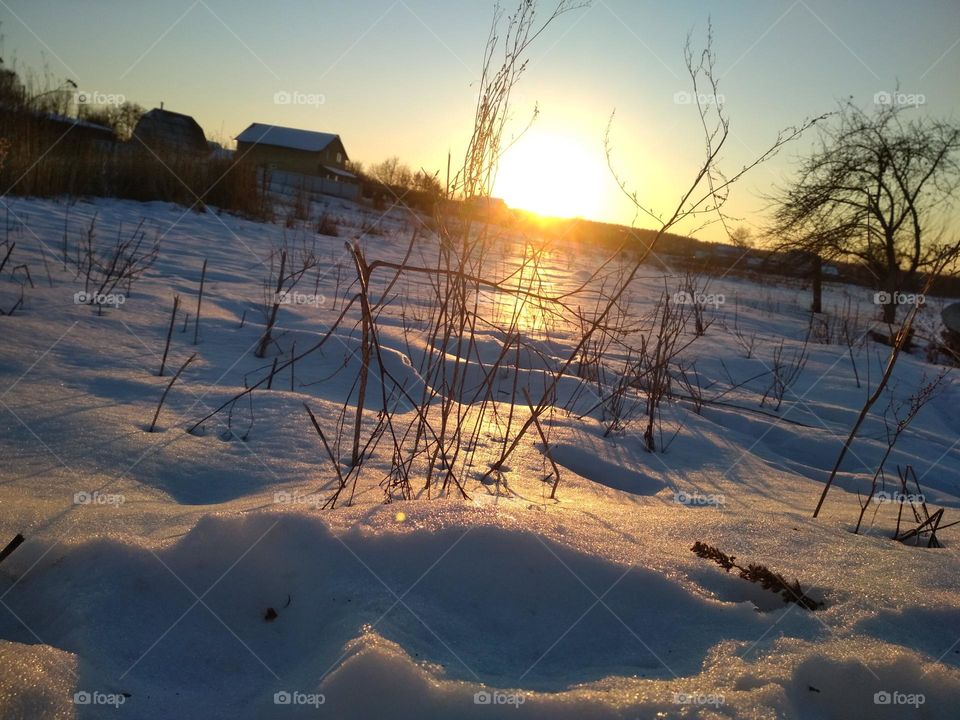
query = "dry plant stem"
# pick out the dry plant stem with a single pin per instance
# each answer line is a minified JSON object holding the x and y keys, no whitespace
{"x":273,"y":371}
{"x":196,"y":321}
{"x":915,"y":403}
{"x":363,"y":276}
{"x":274,"y":308}
{"x":293,"y":354}
{"x":546,"y":449}
{"x":296,"y":259}
{"x":11,"y":546}
{"x":901,"y":338}
{"x":122,"y":265}
{"x":166,"y":347}
{"x":695,"y":201}
{"x":6,"y":257}
{"x":163,"y":397}
{"x":333,"y":459}
{"x":247,"y":391}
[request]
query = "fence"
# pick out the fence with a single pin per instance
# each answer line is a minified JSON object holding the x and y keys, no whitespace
{"x":290,"y":184}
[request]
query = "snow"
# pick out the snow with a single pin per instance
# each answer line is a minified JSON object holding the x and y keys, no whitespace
{"x":150,"y":600}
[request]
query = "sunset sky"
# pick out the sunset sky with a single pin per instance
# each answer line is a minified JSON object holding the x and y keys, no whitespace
{"x":399,"y":78}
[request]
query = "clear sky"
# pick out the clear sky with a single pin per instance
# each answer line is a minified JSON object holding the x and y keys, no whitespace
{"x":398,"y":77}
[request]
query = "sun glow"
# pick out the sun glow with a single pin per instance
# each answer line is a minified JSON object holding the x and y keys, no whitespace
{"x":554,"y":175}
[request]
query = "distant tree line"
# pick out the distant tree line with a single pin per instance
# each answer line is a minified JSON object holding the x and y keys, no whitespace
{"x":392,"y":181}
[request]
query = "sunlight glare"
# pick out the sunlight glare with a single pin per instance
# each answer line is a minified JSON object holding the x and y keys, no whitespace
{"x":553,"y":175}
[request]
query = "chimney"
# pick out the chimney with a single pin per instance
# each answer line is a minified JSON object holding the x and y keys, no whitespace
{"x":161,"y":104}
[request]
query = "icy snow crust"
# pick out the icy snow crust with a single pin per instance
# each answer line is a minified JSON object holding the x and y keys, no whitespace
{"x":591,"y":606}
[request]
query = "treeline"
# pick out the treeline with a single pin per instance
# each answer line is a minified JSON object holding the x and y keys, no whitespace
{"x":392,"y":181}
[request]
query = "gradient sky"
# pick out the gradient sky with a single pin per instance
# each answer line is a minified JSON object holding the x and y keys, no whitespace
{"x":398,"y":77}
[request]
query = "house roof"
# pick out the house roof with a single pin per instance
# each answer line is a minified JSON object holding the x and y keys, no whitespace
{"x":341,"y":173}
{"x":66,"y":120}
{"x":308,"y":140}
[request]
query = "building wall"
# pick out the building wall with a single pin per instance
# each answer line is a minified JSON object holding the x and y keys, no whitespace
{"x":335,"y":155}
{"x":289,"y":160}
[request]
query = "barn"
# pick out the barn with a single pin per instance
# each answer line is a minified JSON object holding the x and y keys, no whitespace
{"x":165,"y":131}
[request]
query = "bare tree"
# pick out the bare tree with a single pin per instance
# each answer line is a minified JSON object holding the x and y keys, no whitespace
{"x":875,"y":190}
{"x":122,"y":119}
{"x":742,"y":237}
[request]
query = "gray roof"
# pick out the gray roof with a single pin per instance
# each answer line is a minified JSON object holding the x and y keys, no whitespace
{"x":261,"y":134}
{"x":58,"y":118}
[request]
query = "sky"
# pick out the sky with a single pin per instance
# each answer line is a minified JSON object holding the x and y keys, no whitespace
{"x":399,"y":78}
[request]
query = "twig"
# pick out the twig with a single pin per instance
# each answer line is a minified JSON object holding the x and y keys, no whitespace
{"x":11,"y":546}
{"x":196,"y":321}
{"x":166,"y":348}
{"x":169,"y":385}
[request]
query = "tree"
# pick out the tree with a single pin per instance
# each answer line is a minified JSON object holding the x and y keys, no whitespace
{"x":122,"y":119}
{"x":12,"y":92}
{"x":741,"y":237}
{"x":393,"y":177}
{"x":427,"y":183}
{"x":125,"y":119}
{"x":391,"y":172}
{"x":877,"y":189}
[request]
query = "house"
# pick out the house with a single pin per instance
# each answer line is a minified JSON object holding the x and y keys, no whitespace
{"x":298,"y":161}
{"x":75,"y":134}
{"x":304,"y":152}
{"x":162,"y":130}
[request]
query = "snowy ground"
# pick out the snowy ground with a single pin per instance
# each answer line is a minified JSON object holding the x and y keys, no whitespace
{"x":150,"y":600}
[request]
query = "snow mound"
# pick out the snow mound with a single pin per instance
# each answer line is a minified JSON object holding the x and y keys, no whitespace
{"x":591,"y":467}
{"x":474,"y":608}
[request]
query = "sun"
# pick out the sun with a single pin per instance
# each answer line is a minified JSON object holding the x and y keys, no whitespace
{"x":552,"y":174}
